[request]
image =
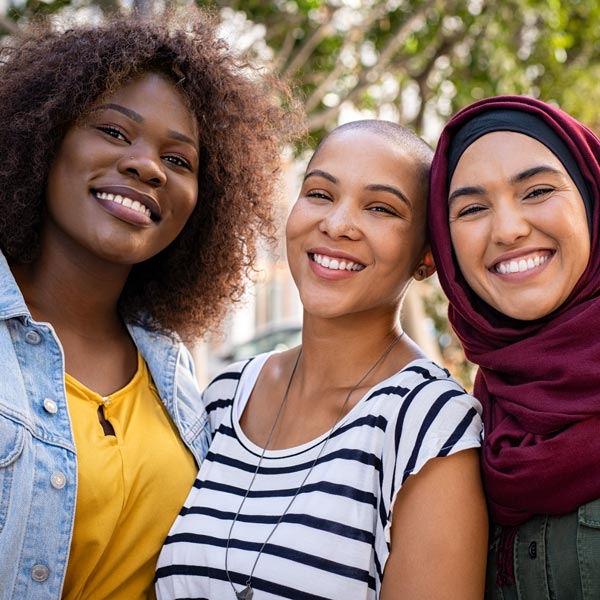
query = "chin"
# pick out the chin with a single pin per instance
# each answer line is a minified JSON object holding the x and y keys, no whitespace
{"x":535,"y":312}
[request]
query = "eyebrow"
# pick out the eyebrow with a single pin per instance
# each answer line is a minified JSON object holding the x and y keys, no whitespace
{"x":518,"y":178}
{"x":135,"y":116}
{"x":374,"y":187}
{"x":528,"y":173}
{"x":380,"y":187}
{"x":323,"y":174}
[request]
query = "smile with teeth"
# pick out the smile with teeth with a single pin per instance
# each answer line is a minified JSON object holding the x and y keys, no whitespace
{"x":125,"y":201}
{"x":336,"y":264}
{"x":520,"y":266}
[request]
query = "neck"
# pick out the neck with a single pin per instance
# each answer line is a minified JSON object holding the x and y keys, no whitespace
{"x":337,"y":352}
{"x":70,"y":290}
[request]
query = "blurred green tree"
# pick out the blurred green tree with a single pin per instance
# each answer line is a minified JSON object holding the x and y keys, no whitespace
{"x":419,"y":60}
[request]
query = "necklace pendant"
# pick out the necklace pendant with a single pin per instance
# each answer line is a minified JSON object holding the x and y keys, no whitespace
{"x":245,"y":594}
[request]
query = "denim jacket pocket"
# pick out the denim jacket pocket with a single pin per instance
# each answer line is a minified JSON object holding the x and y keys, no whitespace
{"x":588,"y":548}
{"x":12,"y":441}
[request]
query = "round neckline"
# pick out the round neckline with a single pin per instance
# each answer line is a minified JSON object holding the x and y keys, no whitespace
{"x":295,"y":450}
{"x":113,"y":396}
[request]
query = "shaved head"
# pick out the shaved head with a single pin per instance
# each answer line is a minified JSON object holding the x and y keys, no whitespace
{"x":403,"y":137}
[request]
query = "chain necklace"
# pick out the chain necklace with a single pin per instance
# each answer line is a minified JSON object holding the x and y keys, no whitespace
{"x":248,"y":592}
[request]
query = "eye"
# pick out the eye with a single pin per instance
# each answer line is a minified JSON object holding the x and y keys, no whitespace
{"x":538,"y":193}
{"x":469,"y":211}
{"x":319,"y":194}
{"x":383,"y":209}
{"x":113,"y":132}
{"x":178,"y":161}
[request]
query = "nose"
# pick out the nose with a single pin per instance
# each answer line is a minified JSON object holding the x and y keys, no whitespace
{"x":340,"y":221}
{"x":510,"y":224}
{"x":143,"y":164}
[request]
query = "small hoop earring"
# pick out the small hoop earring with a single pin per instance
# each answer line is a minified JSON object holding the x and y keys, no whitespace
{"x":421,"y":272}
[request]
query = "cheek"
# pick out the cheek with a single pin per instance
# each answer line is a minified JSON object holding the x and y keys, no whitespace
{"x":188,"y":195}
{"x":467,"y":239}
{"x":294,"y":227}
{"x":581,"y":253}
{"x":469,"y":250}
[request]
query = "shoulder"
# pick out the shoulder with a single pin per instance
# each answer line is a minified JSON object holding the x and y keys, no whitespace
{"x":426,"y":381}
{"x":224,"y":385}
{"x":228,"y":377}
{"x":430,"y":407}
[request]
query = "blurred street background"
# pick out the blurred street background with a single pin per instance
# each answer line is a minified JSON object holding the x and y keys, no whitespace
{"x":411,"y":61}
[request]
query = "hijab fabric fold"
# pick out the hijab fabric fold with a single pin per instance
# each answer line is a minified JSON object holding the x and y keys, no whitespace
{"x":538,"y":381}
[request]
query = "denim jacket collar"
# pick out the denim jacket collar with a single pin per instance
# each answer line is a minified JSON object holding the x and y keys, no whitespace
{"x":12,"y":303}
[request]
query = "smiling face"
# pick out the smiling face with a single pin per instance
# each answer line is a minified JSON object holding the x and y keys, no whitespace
{"x":518,"y":225}
{"x":357,"y":231}
{"x":125,"y":179}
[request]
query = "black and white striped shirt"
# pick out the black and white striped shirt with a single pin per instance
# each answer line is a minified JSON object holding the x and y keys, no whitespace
{"x":334,"y":541}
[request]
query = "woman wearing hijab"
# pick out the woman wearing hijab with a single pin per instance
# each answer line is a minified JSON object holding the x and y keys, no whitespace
{"x":514,"y":229}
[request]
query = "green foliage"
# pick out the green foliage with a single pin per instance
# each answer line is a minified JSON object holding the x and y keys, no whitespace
{"x":413,"y":60}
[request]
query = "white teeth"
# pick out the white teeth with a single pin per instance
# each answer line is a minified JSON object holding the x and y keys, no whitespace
{"x":127,"y":202}
{"x":521,"y":265}
{"x":335,"y":264}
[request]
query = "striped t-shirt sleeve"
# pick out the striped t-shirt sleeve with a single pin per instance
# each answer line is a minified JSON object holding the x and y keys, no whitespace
{"x":436,"y":418}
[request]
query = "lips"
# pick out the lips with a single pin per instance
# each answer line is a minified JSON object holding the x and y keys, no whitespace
{"x":335,"y":263}
{"x":130,"y":198}
{"x":521,"y":264}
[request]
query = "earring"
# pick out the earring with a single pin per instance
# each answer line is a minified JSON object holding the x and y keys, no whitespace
{"x":421,"y":271}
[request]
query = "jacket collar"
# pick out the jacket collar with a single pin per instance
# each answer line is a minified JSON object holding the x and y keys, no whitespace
{"x":12,"y":303}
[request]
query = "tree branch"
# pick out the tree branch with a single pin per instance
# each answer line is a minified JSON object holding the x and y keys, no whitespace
{"x":311,"y":42}
{"x":284,"y":53}
{"x":369,"y":76}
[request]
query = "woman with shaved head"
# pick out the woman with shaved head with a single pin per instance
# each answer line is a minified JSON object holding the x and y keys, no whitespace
{"x":347,"y":467}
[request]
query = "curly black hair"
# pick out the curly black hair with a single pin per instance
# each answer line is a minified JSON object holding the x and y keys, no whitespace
{"x":50,"y":79}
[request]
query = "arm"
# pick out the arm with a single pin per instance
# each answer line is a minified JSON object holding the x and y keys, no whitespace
{"x":439,"y":533}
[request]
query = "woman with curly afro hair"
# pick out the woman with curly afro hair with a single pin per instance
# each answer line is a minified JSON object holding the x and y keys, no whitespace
{"x":138,"y":159}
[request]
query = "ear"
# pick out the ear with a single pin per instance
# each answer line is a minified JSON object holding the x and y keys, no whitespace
{"x":426,"y":267}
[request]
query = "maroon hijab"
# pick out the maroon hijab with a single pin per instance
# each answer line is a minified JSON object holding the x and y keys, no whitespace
{"x":538,"y":381}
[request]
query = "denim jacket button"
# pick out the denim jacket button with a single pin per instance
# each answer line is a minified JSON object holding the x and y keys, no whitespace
{"x":50,"y":406}
{"x":40,"y":573}
{"x":33,"y":337}
{"x":58,"y":480}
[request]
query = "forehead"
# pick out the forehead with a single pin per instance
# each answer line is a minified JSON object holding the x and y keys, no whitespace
{"x":151,"y":95}
{"x":502,"y":153}
{"x":363,"y":157}
{"x":354,"y":143}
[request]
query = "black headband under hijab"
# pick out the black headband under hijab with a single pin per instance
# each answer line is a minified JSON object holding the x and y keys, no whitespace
{"x":527,"y":124}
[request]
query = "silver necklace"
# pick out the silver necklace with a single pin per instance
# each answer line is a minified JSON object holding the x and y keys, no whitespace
{"x":247,"y":593}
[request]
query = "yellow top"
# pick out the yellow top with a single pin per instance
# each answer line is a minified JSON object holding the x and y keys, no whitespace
{"x":131,"y":486}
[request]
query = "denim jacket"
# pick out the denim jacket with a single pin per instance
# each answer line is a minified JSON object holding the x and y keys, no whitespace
{"x":38,"y":460}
